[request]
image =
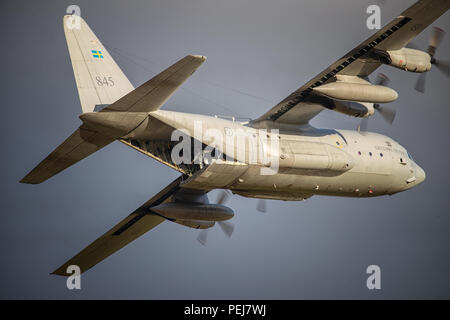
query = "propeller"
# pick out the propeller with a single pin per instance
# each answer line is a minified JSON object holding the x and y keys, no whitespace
{"x":261,"y":205}
{"x":227,"y":227}
{"x":388,"y":114}
{"x":444,"y":66}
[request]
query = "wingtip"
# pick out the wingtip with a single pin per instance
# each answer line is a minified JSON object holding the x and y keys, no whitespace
{"x":24,"y":181}
{"x":59,"y":272}
{"x":28,"y":180}
{"x":198,"y":56}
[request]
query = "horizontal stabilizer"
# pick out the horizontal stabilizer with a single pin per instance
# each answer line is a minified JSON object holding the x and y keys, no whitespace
{"x":154,"y":93}
{"x":78,"y":146}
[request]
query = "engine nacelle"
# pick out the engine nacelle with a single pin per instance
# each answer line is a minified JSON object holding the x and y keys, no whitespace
{"x":406,"y":59}
{"x":358,"y":92}
{"x":194,"y":212}
{"x":354,"y":109}
{"x":194,"y":224}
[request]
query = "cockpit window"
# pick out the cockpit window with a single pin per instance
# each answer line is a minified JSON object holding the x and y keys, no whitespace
{"x":410,"y":156}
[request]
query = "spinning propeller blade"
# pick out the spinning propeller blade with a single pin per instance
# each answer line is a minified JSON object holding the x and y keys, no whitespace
{"x":261,"y":206}
{"x":443,"y":66}
{"x":223,"y":197}
{"x":203,"y":236}
{"x":388,"y":114}
{"x":227,"y":227}
{"x":420,"y":83}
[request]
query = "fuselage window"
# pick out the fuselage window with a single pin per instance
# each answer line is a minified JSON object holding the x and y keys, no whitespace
{"x":370,"y":153}
{"x":381,"y":155}
{"x":359,"y":152}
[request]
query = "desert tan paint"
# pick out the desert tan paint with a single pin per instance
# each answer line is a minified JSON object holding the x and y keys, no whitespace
{"x":377,"y":165}
{"x":314,"y":161}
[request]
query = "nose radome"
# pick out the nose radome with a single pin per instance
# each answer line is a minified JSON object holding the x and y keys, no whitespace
{"x":420,"y":174}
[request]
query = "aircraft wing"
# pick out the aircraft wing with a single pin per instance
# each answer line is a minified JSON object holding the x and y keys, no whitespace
{"x":129,"y":229}
{"x":155,"y":92}
{"x":300,"y":106}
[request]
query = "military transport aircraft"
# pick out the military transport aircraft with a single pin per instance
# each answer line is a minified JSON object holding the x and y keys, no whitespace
{"x":295,"y":160}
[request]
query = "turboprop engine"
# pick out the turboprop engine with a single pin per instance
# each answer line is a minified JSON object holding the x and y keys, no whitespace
{"x":355,"y":109}
{"x":405,"y":59}
{"x":194,"y":215}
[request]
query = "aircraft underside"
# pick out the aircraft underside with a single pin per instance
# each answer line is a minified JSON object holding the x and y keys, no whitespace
{"x":278,"y":155}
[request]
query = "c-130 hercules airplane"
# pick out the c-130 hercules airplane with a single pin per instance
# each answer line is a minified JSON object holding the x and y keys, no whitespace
{"x":308,"y":161}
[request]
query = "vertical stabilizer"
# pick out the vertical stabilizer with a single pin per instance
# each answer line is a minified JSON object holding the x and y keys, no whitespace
{"x":99,"y":79}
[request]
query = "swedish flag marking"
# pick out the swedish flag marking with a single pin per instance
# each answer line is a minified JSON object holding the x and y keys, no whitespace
{"x":97,"y":54}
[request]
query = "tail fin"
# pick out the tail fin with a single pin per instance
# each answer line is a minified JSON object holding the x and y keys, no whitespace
{"x":99,"y":79}
{"x":101,"y":82}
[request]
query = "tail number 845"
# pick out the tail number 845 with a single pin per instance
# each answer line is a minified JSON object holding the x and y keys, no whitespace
{"x":104,"y":81}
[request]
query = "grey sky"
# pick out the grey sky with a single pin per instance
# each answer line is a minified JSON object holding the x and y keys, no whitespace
{"x":316,"y":249}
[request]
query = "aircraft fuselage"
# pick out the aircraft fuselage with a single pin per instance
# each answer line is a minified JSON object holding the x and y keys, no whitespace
{"x":309,"y":161}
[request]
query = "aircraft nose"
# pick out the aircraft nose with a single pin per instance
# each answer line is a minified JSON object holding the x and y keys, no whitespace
{"x":420,"y":174}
